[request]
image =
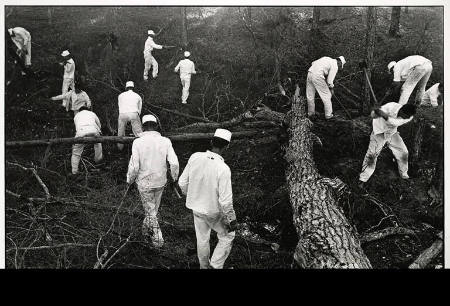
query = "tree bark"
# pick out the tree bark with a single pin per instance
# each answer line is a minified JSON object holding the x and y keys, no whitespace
{"x":427,"y":256}
{"x":184,"y":35}
{"x":395,"y":21}
{"x":370,"y":46}
{"x":125,"y":139}
{"x":314,"y":34}
{"x":326,"y":239}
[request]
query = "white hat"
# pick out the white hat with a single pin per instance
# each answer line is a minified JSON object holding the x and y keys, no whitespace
{"x":224,"y":134}
{"x":129,"y":84}
{"x":65,"y":53}
{"x":342,"y":60}
{"x":147,"y":118}
{"x":150,"y":32}
{"x":187,"y":53}
{"x":391,"y":64}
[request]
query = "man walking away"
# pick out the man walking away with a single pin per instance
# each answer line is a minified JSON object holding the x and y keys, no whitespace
{"x":22,"y":39}
{"x":86,"y":124}
{"x":433,"y":94}
{"x":186,"y":68}
{"x":385,"y":121}
{"x":69,"y":75}
{"x":148,"y":58}
{"x":77,"y":98}
{"x":206,"y":181}
{"x":412,"y":70}
{"x":148,"y":168}
{"x":130,"y":106}
{"x":320,"y":78}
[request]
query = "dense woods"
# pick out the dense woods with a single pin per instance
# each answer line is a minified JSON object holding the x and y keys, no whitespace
{"x":294,"y":181}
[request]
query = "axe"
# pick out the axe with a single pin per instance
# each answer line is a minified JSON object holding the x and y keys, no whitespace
{"x":363,"y":66}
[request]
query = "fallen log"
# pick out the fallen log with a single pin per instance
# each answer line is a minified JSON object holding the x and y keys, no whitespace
{"x":201,"y":126}
{"x":427,"y":256}
{"x":125,"y":139}
{"x":386,"y":233}
{"x":179,"y":113}
{"x":326,"y":239}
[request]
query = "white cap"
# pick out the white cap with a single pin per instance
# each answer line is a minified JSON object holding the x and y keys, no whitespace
{"x":224,"y":134}
{"x":147,"y":118}
{"x":187,"y":53}
{"x":65,"y":53}
{"x":391,"y":64}
{"x":342,"y":60}
{"x":129,"y":84}
{"x":150,"y":32}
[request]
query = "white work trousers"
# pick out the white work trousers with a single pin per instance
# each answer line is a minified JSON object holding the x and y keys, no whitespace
{"x":186,"y":83}
{"x":77,"y":149}
{"x":203,"y":225}
{"x":318,"y":83}
{"x":149,"y":62}
{"x":377,"y":142}
{"x":67,"y":83}
{"x":136,"y":126}
{"x":151,"y":199}
{"x":419,"y":76}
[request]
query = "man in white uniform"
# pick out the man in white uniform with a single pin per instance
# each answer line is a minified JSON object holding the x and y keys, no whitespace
{"x":206,"y":181}
{"x":433,"y":94}
{"x":148,"y":168}
{"x":130,"y":106}
{"x":86,"y":124}
{"x":22,"y":39}
{"x":186,"y":68}
{"x":69,"y":75}
{"x":385,"y":121}
{"x":320,"y":78}
{"x":412,"y":70}
{"x":148,"y":57}
{"x":77,"y":98}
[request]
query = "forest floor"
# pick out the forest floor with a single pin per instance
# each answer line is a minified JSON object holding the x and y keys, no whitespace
{"x":86,"y":205}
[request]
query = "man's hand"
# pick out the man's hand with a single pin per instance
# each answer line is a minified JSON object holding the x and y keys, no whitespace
{"x":232,"y":226}
{"x":332,"y":91}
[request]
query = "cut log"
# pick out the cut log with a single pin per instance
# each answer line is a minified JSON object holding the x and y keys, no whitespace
{"x":125,"y":139}
{"x":427,"y":256}
{"x":326,"y":239}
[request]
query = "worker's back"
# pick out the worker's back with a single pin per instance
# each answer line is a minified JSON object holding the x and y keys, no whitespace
{"x":322,"y":66}
{"x":187,"y":67}
{"x":86,"y":121}
{"x":129,"y":102}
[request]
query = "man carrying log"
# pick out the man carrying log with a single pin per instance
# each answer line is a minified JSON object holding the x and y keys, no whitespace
{"x":186,"y":68}
{"x":385,"y":121}
{"x":148,"y":168}
{"x":433,"y":95}
{"x":22,"y":39}
{"x":412,"y":70}
{"x":206,"y":181}
{"x":76,"y":97}
{"x":130,"y":106}
{"x":69,"y":75}
{"x":86,"y":124}
{"x":320,"y":78}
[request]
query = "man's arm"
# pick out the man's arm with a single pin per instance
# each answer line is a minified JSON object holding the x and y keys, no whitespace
{"x":183,"y":181}
{"x":226,"y":196}
{"x":173,"y":162}
{"x":133,"y":165}
{"x":332,"y":75}
{"x":62,"y":96}
{"x":139,"y":105}
{"x":177,"y":67}
{"x":155,"y":45}
{"x":193,"y":69}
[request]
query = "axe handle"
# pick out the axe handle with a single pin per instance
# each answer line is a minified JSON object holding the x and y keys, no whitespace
{"x":370,"y":86}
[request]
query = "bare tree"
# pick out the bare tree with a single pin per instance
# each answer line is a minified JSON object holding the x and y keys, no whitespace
{"x":395,"y":21}
{"x":370,"y":46}
{"x":184,"y":37}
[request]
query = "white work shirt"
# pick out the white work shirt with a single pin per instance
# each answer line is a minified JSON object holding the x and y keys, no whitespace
{"x":390,"y":126}
{"x":69,"y":69}
{"x":206,"y":181}
{"x":22,"y":37}
{"x":186,"y":67}
{"x":76,"y":100}
{"x":86,"y":122}
{"x":431,"y":95}
{"x":129,"y":102}
{"x":150,"y":45}
{"x":147,"y":164}
{"x":325,"y":67}
{"x":403,"y":68}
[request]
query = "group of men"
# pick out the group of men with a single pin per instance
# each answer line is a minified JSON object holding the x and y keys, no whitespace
{"x":206,"y":179}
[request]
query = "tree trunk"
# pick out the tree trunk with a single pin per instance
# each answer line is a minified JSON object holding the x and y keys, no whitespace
{"x":184,"y":37}
{"x":314,"y":34}
{"x":50,"y":15}
{"x":395,"y":21}
{"x":370,"y":46}
{"x":326,"y":239}
{"x":315,"y":18}
{"x":406,"y":10}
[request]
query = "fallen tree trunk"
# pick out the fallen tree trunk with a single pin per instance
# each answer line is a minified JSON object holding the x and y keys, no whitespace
{"x":125,"y":139}
{"x":326,"y":239}
{"x":390,"y":231}
{"x":427,"y":256}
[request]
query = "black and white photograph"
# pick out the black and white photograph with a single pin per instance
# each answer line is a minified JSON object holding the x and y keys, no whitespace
{"x":235,"y":136}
